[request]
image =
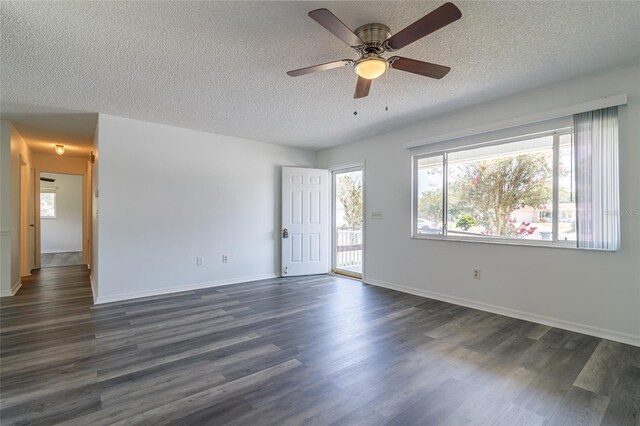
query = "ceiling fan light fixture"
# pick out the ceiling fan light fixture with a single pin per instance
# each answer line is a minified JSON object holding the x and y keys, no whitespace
{"x":371,"y":68}
{"x":59,"y":149}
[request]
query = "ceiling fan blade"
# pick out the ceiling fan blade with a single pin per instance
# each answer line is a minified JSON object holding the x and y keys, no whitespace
{"x":320,"y":67}
{"x":362,"y":88}
{"x":335,"y":26}
{"x":426,"y":69}
{"x":442,"y":16}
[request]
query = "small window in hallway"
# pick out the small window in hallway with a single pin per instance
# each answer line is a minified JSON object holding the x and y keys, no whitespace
{"x":48,"y":203}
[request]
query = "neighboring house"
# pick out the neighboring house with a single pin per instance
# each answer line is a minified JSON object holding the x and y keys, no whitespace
{"x":566,"y":213}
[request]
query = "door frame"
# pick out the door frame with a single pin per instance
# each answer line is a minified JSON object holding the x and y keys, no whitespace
{"x":27,"y":186}
{"x":334,"y":170}
{"x":86,"y":242}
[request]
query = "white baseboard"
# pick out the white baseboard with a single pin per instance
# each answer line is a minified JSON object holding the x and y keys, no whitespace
{"x":93,"y":289}
{"x":177,"y":289}
{"x":14,"y":289}
{"x":617,"y":336}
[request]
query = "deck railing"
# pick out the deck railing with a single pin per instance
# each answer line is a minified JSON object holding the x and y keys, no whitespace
{"x":349,"y":246}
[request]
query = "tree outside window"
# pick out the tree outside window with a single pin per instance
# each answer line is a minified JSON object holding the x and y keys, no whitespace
{"x":349,"y":193}
{"x":488,"y":192}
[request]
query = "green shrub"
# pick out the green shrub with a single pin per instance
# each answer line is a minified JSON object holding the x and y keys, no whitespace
{"x":466,"y":221}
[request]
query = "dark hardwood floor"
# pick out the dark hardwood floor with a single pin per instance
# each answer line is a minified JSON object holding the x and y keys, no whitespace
{"x":317,"y":350}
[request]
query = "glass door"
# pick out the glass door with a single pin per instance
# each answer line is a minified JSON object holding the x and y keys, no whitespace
{"x":347,"y":214}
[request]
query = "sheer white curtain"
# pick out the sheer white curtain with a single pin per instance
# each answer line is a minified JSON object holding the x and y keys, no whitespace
{"x":595,"y":135}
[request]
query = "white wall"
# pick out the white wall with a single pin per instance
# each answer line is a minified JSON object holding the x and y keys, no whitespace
{"x":5,"y":208}
{"x":593,"y":292}
{"x":94,"y":189}
{"x":168,"y":195}
{"x":64,"y":232}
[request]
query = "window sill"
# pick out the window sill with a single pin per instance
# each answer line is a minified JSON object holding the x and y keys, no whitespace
{"x":522,"y":243}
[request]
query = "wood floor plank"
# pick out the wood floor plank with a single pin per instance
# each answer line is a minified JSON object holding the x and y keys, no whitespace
{"x":434,"y":407}
{"x":624,"y":407}
{"x":497,"y":389}
{"x":172,"y":411}
{"x":581,"y":407}
{"x":421,"y":377}
{"x":604,"y":368}
{"x":537,"y":331}
{"x":517,"y":415}
{"x":547,"y":391}
{"x":362,"y":416}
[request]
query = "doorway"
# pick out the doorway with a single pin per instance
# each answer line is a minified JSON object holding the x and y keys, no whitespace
{"x":61,"y":219}
{"x":348,"y":247}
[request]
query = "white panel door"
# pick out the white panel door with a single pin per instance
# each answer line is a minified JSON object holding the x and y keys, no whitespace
{"x":305,"y":221}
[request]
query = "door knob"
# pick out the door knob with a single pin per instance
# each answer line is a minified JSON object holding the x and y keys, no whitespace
{"x":285,"y":233}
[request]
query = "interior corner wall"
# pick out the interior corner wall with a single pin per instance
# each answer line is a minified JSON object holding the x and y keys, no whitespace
{"x":593,"y":292}
{"x":5,"y":208}
{"x":168,"y":195}
{"x":94,"y":190}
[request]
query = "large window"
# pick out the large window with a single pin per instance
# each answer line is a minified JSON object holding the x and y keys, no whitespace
{"x":521,"y":190}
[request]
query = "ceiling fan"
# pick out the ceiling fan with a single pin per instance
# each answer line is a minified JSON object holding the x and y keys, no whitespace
{"x":371,"y":41}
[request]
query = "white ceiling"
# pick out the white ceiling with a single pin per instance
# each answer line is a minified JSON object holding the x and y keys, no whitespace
{"x":221,"y":66}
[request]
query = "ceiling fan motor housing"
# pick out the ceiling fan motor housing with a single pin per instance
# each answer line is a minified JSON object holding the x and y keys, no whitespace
{"x":373,"y":36}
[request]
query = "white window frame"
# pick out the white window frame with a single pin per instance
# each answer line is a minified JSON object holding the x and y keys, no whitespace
{"x":554,"y":242}
{"x":55,"y":202}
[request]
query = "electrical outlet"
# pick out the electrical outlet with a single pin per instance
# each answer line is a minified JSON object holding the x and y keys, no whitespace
{"x":476,"y":274}
{"x":199,"y":260}
{"x":225,"y":258}
{"x":376,"y":215}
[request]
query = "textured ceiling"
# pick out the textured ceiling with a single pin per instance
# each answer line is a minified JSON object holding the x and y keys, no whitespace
{"x":221,"y":66}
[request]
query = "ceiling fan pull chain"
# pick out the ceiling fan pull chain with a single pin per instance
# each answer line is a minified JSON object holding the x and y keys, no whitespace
{"x":355,"y":110}
{"x":386,"y":90}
